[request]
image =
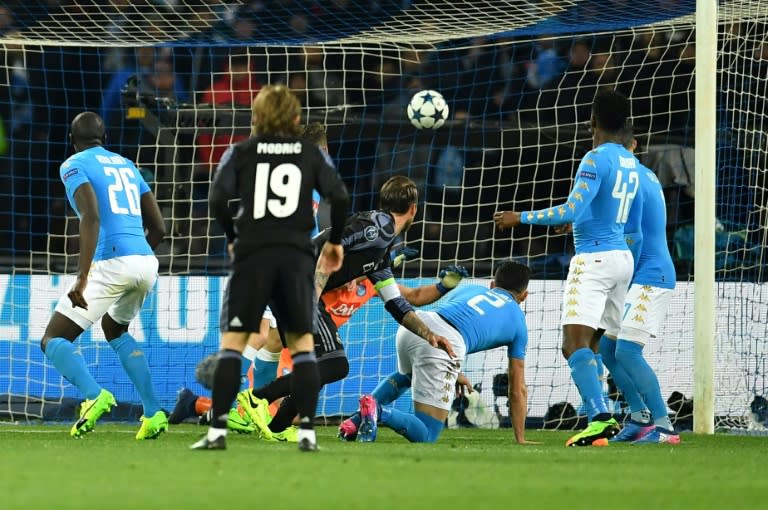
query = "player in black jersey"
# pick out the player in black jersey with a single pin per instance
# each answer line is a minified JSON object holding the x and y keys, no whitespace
{"x":273,"y":174}
{"x":367,"y":239}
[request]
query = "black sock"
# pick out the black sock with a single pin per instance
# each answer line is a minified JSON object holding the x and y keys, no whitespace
{"x":602,"y":417}
{"x":280,"y":387}
{"x":226,"y":383}
{"x":305,"y":387}
{"x":330,"y":369}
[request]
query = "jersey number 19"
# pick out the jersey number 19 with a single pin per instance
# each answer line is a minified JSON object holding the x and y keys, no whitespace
{"x":285,"y":182}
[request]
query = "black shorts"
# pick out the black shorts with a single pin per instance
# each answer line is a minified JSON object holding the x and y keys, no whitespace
{"x":281,"y":276}
{"x":326,"y":335}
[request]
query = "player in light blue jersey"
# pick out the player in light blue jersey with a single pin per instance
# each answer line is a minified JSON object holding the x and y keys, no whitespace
{"x":120,"y":225}
{"x":474,"y":319}
{"x":644,"y":310}
{"x":607,"y":181}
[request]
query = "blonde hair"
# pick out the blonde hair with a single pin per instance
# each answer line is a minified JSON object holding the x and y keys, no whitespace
{"x":274,"y":112}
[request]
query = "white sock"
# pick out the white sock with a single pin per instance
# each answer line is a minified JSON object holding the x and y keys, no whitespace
{"x":264,"y":355}
{"x":214,"y":433}
{"x":643,"y":416}
{"x":307,"y":434}
{"x":249,"y":352}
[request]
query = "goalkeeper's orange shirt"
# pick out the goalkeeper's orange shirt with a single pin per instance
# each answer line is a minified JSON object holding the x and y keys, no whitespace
{"x":341,"y":303}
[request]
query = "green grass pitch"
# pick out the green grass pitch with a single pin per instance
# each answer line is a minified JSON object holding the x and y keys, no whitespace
{"x":42,"y":467}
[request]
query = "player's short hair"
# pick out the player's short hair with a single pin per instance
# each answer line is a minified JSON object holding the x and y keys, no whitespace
{"x":87,"y":128}
{"x":512,"y":276}
{"x":274,"y":112}
{"x":611,"y":110}
{"x":398,"y":194}
{"x":315,"y":133}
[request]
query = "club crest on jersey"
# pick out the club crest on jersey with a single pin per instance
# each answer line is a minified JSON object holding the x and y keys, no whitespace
{"x":371,"y":233}
{"x":361,"y":290}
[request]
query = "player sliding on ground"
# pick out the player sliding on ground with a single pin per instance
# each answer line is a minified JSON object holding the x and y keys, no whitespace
{"x":644,"y":310}
{"x":117,"y":269}
{"x":607,"y":181}
{"x":273,"y":173}
{"x":474,"y":318}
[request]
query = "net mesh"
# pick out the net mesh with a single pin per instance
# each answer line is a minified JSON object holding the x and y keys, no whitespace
{"x":174,"y":83}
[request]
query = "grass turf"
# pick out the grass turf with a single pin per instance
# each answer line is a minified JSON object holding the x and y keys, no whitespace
{"x":42,"y":467}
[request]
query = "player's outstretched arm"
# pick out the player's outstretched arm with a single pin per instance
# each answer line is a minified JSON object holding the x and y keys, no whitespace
{"x":90,"y":222}
{"x":152,"y":218}
{"x":588,"y":180}
{"x":518,"y":399}
{"x":449,"y":276}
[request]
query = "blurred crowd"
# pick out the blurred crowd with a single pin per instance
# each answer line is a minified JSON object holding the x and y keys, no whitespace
{"x":500,"y":83}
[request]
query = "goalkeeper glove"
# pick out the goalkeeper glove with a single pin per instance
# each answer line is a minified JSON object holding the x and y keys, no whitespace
{"x":450,"y":277}
{"x":402,"y":254}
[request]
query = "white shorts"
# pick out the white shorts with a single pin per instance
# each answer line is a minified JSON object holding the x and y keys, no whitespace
{"x":433,"y":372}
{"x":116,"y":286}
{"x":644,"y":311}
{"x":595,"y":290}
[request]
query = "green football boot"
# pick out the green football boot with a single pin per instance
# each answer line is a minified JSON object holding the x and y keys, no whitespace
{"x":258,"y":410}
{"x":240,"y":424}
{"x":289,"y":435}
{"x":152,"y":427}
{"x":595,"y":431}
{"x":90,"y":411}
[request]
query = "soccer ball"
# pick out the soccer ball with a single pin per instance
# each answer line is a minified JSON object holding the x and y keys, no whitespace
{"x":427,"y":109}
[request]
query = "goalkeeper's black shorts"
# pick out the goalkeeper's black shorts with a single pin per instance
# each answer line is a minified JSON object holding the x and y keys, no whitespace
{"x":327,"y":339}
{"x":326,"y":334}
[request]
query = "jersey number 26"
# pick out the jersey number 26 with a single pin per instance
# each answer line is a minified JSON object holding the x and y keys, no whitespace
{"x":124,"y":186}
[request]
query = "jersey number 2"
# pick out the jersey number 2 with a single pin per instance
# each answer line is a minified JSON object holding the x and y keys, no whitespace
{"x":285,"y":182}
{"x":488,"y":297}
{"x":123,"y":184}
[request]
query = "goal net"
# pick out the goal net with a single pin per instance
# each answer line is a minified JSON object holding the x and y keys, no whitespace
{"x":174,"y":83}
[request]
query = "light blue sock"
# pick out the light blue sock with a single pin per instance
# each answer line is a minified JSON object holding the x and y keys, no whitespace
{"x":584,"y":374}
{"x":391,"y":387}
{"x":434,"y":426}
{"x":623,"y":381}
{"x":601,"y":378}
{"x":265,"y":367}
{"x":135,"y":365}
{"x":406,"y":424}
{"x":71,"y":365}
{"x":630,"y":356}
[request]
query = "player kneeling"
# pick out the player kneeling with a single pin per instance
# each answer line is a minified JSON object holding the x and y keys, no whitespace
{"x":474,"y":318}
